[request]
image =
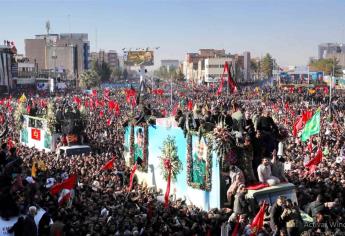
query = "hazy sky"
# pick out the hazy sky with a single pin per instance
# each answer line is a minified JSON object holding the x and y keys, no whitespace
{"x":289,"y":29}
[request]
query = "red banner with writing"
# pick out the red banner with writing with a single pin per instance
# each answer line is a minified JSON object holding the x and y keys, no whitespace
{"x":36,"y":134}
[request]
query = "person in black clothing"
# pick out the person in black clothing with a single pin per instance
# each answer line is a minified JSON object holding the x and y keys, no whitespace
{"x":44,"y":225}
{"x":269,"y":132}
{"x":30,"y":227}
{"x":317,"y":206}
{"x":3,"y":155}
{"x":18,"y":228}
{"x":276,"y":211}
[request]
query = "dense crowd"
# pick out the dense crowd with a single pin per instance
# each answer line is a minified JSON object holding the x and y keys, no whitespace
{"x":101,"y":205}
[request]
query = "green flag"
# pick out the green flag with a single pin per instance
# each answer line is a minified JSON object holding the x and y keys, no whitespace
{"x":312,"y":126}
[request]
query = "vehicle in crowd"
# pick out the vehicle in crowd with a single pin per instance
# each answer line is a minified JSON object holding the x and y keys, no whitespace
{"x":73,"y":150}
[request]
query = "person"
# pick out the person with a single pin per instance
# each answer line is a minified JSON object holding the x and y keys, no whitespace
{"x":18,"y":228}
{"x":237,"y":118}
{"x":57,"y":228}
{"x":44,"y":224}
{"x":246,"y":161}
{"x":3,"y":155}
{"x":138,"y":146}
{"x":316,"y":206}
{"x":278,"y":167}
{"x":277,"y":224}
{"x":199,"y":164}
{"x":30,"y":227}
{"x":237,"y":178}
{"x":265,"y":173}
{"x":291,"y":218}
{"x":240,"y":203}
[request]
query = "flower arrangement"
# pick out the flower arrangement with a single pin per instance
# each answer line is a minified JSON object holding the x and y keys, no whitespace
{"x":18,"y":115}
{"x":51,"y":118}
{"x":169,"y":159}
{"x":222,"y":141}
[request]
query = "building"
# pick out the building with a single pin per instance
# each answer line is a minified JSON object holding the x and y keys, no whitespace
{"x":111,"y":57}
{"x":6,"y":61}
{"x":191,"y":64}
{"x":170,"y":64}
{"x":69,"y":52}
{"x":246,"y":66}
{"x":332,"y":50}
{"x":214,"y":68}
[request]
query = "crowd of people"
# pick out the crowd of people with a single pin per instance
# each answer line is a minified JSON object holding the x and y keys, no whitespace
{"x":101,"y":204}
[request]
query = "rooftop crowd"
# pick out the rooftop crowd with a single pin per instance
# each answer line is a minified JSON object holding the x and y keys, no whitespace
{"x":101,"y":205}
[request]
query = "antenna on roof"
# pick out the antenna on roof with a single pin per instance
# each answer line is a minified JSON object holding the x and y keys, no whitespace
{"x":48,"y":27}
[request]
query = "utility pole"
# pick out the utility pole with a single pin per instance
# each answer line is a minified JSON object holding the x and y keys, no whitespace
{"x":330,"y":90}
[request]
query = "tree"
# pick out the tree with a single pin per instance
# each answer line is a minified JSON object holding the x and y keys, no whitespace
{"x":125,"y":74}
{"x":326,"y":65}
{"x":103,"y":70}
{"x":267,"y":65}
{"x":89,"y":79}
{"x":180,"y":75}
{"x":117,"y":73}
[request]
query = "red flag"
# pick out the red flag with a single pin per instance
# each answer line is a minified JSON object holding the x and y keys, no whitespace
{"x":94,"y":92}
{"x":174,"y":111}
{"x":164,"y":112}
{"x":220,"y":88}
{"x":109,"y":165}
{"x":307,"y":115}
{"x":315,"y":161}
{"x":292,"y":89}
{"x":10,"y":143}
{"x":67,"y":184}
{"x":76,"y":100}
{"x":235,"y":232}
{"x":310,"y":145}
{"x":325,"y":90}
{"x":167,"y":166}
{"x":28,"y":108}
{"x":297,"y":126}
{"x":117,"y":108}
{"x":131,"y":177}
{"x":258,"y":220}
{"x":231,"y":82}
{"x":106,"y":92}
{"x":190,"y":105}
{"x":111,"y":104}
{"x":101,"y":114}
{"x":108,"y":122}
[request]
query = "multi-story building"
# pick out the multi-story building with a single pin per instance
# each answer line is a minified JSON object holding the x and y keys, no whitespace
{"x":111,"y":57}
{"x":69,"y":52}
{"x":191,"y":63}
{"x":6,"y":61}
{"x":170,"y":64}
{"x":208,"y":65}
{"x":332,"y":50}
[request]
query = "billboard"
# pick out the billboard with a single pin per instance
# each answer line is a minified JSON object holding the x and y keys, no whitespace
{"x":136,"y":58}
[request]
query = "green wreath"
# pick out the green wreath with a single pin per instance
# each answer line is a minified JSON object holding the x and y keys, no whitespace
{"x":170,"y":159}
